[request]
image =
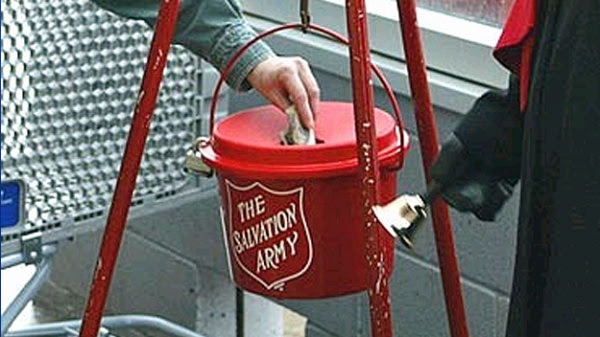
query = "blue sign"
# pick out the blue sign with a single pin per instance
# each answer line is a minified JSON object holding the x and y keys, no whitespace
{"x":11,"y":203}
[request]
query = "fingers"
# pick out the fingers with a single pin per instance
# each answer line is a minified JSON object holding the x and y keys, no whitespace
{"x":302,"y":89}
{"x":312,"y":88}
{"x":279,"y":97}
{"x":299,"y":97}
{"x":285,"y":81}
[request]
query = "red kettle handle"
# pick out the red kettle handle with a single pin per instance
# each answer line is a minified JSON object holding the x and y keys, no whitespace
{"x":325,"y":31}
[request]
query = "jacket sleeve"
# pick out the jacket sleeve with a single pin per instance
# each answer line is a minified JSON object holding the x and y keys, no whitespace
{"x":492,"y":132}
{"x":480,"y":164}
{"x":212,"y":29}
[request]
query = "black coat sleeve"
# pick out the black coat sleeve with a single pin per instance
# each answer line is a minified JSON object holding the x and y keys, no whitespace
{"x":479,"y":165}
{"x":492,"y":132}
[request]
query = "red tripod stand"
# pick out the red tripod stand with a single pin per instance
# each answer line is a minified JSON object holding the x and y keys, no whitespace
{"x":363,"y":105}
{"x":368,"y":165}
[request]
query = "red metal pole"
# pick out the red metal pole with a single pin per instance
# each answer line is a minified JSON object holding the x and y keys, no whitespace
{"x":429,"y":149}
{"x":134,"y":149}
{"x":368,"y":167}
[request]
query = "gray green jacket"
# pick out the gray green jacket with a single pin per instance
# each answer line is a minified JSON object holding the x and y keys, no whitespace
{"x":212,"y":29}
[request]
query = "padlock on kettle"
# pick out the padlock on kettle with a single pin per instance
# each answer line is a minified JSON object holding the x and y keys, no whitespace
{"x":194,"y":164}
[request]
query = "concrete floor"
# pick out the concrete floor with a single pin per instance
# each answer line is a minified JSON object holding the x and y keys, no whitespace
{"x":293,"y":324}
{"x":55,"y":309}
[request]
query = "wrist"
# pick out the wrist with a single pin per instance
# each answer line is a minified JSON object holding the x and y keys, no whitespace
{"x":234,"y":38}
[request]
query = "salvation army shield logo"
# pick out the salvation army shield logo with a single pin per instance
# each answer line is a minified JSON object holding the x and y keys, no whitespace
{"x":267,"y":233}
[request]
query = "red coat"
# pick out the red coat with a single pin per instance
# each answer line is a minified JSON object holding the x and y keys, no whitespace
{"x":515,"y":47}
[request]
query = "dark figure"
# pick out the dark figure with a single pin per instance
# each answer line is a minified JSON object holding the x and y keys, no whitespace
{"x":545,"y":131}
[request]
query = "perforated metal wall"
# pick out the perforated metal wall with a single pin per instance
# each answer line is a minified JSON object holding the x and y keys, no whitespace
{"x":70,"y":77}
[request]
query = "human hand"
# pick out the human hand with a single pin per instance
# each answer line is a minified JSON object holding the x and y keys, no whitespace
{"x":479,"y":165}
{"x":285,"y":81}
{"x":467,"y":185}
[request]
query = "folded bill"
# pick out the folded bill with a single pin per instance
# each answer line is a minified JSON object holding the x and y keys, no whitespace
{"x":296,"y":133}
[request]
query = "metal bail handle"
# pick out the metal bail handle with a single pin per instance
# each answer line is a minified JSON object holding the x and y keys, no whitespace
{"x":325,"y":31}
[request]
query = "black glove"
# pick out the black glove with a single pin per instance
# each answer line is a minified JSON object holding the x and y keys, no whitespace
{"x":467,"y":185}
{"x":479,"y":165}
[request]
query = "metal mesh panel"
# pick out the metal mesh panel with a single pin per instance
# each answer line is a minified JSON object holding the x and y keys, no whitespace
{"x":70,"y":77}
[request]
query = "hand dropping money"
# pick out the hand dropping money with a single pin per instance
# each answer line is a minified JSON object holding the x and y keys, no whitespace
{"x":296,"y":133}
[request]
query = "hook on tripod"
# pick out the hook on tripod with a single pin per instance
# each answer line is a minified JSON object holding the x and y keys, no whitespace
{"x":304,"y":15}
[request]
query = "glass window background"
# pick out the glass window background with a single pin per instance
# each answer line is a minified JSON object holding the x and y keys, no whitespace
{"x":485,"y":11}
